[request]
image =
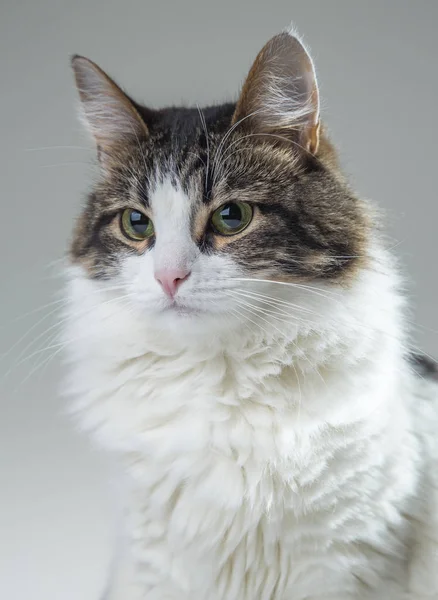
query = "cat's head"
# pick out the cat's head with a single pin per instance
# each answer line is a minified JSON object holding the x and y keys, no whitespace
{"x":197,"y":210}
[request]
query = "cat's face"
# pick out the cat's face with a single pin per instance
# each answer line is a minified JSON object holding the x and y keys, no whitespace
{"x":193,"y":203}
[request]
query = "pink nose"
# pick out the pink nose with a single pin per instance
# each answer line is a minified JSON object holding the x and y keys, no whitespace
{"x":171,"y":279}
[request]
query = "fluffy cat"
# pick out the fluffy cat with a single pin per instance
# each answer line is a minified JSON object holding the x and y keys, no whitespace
{"x":236,"y":338}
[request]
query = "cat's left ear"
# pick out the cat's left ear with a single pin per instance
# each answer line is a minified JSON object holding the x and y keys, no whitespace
{"x":280,"y":96}
{"x":109,"y":113}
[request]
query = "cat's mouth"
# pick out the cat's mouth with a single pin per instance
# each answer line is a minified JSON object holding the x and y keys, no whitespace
{"x":177,"y":308}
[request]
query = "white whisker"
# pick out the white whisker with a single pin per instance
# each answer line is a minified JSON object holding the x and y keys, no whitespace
{"x":204,"y":125}
{"x":22,"y":357}
{"x":217,"y":164}
{"x":267,"y":311}
{"x":273,"y":301}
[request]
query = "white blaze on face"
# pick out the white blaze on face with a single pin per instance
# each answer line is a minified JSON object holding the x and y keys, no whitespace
{"x":174,"y":247}
{"x":175,"y":253}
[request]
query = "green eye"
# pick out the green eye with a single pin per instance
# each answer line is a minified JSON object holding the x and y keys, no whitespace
{"x":136,"y":225}
{"x":231,"y":218}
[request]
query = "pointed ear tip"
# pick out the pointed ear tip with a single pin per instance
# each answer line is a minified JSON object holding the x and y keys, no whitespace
{"x":292,"y":31}
{"x":78,"y":61}
{"x":74,"y":58}
{"x":75,"y":61}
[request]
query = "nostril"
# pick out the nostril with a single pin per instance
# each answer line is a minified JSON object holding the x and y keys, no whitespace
{"x":171,"y":279}
{"x":179,"y":280}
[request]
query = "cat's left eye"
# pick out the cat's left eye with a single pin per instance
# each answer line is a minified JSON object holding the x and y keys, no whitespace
{"x":232,"y":218}
{"x":136,"y":226}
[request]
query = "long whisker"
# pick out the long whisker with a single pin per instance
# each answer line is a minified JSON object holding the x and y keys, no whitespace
{"x":241,"y":139}
{"x":59,"y":345}
{"x":234,"y":312}
{"x":293,"y":366}
{"x":54,"y":327}
{"x":198,"y":158}
{"x":35,"y":311}
{"x":41,"y":350}
{"x":300,"y":353}
{"x":290,"y":284}
{"x":271,"y":300}
{"x":26,"y":334}
{"x":217,"y":165}
{"x":269,"y":312}
{"x":330,"y":322}
{"x":204,"y":125}
{"x":323,"y":293}
{"x":59,"y":304}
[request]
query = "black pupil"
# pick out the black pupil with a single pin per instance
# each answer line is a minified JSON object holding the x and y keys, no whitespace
{"x":139,"y":222}
{"x":232,"y":216}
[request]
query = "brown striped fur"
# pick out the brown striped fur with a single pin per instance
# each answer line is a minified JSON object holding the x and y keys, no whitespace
{"x":307,"y":222}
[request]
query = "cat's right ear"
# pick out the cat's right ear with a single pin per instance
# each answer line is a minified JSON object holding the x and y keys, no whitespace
{"x":108,"y":112}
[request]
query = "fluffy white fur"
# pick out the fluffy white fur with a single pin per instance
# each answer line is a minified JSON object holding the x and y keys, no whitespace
{"x":268,"y":458}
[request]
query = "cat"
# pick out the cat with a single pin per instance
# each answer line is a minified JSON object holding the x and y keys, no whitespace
{"x":236,"y":338}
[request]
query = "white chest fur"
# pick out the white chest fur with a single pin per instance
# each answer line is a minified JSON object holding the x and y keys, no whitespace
{"x":260,"y":469}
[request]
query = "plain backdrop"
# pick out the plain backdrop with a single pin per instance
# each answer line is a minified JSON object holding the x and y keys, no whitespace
{"x":376,"y":61}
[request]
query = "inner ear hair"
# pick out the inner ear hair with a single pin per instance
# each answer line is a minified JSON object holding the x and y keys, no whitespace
{"x":109,"y":113}
{"x":280,"y":95}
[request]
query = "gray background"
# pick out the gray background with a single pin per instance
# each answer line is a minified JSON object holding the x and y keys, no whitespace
{"x":376,"y":61}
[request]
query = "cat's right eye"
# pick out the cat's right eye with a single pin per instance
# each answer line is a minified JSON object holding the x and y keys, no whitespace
{"x":136,"y":226}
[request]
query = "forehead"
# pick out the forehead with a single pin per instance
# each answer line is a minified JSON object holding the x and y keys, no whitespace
{"x":172,"y":130}
{"x":179,"y":149}
{"x":195,"y":150}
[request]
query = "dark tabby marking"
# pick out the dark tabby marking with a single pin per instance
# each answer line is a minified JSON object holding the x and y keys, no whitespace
{"x":424,"y":366}
{"x":307,"y":223}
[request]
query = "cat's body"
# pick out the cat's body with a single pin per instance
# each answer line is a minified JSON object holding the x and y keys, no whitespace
{"x":278,"y":442}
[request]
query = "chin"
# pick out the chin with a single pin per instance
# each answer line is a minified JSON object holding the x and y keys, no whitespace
{"x":186,"y":320}
{"x":183,"y":311}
